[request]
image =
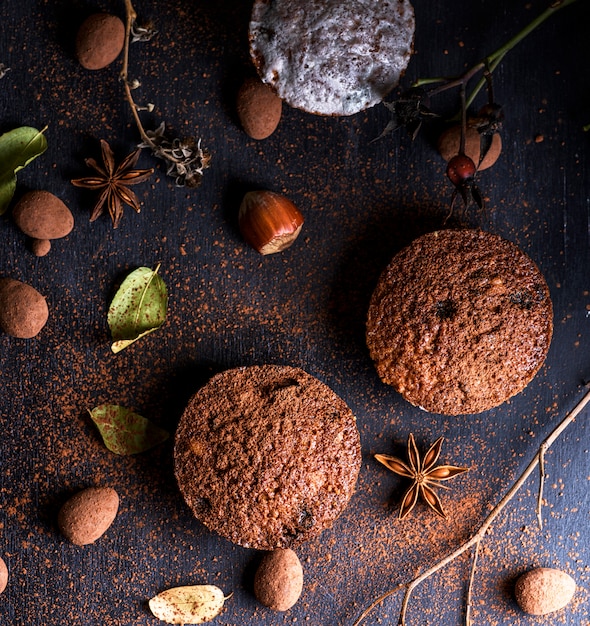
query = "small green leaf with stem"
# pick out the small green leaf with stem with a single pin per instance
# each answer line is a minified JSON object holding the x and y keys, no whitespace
{"x":138,"y":308}
{"x":18,"y":148}
{"x":125,"y":432}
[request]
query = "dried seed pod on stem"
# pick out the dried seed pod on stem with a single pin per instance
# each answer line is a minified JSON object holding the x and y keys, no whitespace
{"x":412,"y":108}
{"x":185,"y":158}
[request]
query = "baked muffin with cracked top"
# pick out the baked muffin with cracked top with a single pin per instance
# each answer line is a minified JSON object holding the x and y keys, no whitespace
{"x":460,"y":321}
{"x":331,"y":57}
{"x":267,"y":456}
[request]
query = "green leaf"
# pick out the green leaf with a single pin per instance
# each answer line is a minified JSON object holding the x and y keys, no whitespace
{"x":7,"y":189}
{"x":193,"y":604}
{"x":138,"y":308}
{"x":126,"y":432}
{"x":18,"y":148}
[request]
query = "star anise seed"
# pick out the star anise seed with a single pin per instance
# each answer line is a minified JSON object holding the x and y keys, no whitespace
{"x":424,"y":475}
{"x":113,"y":182}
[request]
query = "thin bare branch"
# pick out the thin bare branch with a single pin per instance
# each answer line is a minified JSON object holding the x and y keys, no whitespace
{"x":541,"y":486}
{"x":131,"y":16}
{"x":469,"y":599}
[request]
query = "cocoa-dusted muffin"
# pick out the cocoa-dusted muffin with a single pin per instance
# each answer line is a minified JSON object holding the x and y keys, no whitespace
{"x":460,"y":321}
{"x":267,"y":456}
{"x":331,"y":57}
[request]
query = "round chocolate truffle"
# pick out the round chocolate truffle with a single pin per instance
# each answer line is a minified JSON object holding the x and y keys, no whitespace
{"x":460,"y":321}
{"x":267,"y":456}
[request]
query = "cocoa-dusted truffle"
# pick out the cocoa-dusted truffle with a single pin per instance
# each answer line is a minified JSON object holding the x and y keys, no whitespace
{"x":99,"y":40}
{"x":460,"y":321}
{"x":42,"y":216}
{"x":267,"y":456}
{"x":23,"y":310}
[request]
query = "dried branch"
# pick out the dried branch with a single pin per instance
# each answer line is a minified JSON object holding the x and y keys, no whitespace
{"x":185,"y":158}
{"x":468,"y":600}
{"x":475,"y":540}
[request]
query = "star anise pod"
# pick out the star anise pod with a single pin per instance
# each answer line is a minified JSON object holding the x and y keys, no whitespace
{"x":113,"y":181}
{"x":424,"y":474}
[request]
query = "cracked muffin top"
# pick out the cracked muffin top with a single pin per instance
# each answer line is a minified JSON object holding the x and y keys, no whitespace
{"x":267,"y":456}
{"x":460,"y":321}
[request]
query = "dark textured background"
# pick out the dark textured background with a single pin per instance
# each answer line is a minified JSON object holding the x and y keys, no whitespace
{"x":306,"y":307}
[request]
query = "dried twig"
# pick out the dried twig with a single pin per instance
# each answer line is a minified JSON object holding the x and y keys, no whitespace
{"x":475,"y":539}
{"x":468,"y":600}
{"x":185,"y":158}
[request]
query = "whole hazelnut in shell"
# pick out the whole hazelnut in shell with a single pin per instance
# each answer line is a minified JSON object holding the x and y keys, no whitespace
{"x":268,"y":221}
{"x":450,"y":140}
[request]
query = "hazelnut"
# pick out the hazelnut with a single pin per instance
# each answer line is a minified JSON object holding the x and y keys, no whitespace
{"x":449,"y":142}
{"x":269,"y":222}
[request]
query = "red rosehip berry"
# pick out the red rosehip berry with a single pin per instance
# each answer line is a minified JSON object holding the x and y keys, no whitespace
{"x":461,"y":170}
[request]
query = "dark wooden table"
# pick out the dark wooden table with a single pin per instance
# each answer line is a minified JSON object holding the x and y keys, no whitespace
{"x":229,"y":306}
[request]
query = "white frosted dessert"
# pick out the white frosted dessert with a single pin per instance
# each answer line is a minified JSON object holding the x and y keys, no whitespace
{"x":331,"y":57}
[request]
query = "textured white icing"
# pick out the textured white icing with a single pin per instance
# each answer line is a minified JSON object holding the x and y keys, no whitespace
{"x":332,"y":57}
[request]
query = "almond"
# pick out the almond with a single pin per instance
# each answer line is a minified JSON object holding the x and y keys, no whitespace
{"x":99,"y":41}
{"x":42,"y":216}
{"x":3,"y":575}
{"x":450,"y":139}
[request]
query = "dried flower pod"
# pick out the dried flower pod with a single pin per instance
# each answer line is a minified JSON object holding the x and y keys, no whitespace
{"x":269,"y":222}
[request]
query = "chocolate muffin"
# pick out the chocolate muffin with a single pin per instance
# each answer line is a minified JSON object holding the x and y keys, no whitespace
{"x":331,"y":57}
{"x":267,"y":456}
{"x":460,"y":321}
